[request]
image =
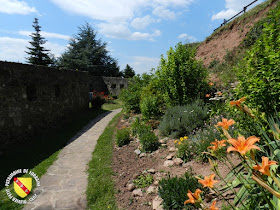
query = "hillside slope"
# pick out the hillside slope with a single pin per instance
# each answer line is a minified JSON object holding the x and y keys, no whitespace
{"x":230,"y":36}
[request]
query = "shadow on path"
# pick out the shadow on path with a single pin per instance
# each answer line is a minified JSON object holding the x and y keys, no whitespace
{"x":30,"y":154}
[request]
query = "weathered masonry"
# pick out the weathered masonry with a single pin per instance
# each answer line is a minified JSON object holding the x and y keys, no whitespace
{"x":33,"y":98}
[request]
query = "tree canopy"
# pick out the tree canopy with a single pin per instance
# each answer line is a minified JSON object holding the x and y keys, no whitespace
{"x":87,"y":53}
{"x":38,"y":54}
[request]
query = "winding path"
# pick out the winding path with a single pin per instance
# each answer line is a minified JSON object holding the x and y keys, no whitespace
{"x":65,"y":182}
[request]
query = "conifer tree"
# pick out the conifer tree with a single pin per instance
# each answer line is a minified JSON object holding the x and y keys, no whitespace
{"x":128,"y":72}
{"x":87,"y":53}
{"x":38,"y":54}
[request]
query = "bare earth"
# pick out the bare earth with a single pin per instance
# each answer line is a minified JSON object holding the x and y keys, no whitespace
{"x":227,"y":40}
{"x":127,"y":165}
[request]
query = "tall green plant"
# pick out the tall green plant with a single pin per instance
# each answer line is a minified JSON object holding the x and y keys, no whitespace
{"x":132,"y":94}
{"x":259,"y":74}
{"x":181,"y":78}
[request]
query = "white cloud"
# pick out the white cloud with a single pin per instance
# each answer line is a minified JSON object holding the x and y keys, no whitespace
{"x":143,"y":64}
{"x":141,"y":23}
{"x":121,"y":15}
{"x":13,"y":49}
{"x":16,"y":7}
{"x":121,"y":31}
{"x":187,"y":37}
{"x":232,"y":8}
{"x":164,"y":13}
{"x":46,"y":35}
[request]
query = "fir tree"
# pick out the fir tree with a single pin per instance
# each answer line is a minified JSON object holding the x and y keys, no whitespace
{"x":38,"y":54}
{"x":128,"y":72}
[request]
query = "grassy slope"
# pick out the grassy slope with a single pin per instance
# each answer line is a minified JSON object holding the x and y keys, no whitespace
{"x":246,"y":16}
{"x":224,"y":69}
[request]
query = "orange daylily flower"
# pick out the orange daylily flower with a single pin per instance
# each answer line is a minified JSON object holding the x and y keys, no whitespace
{"x":207,"y":95}
{"x":208,"y":181}
{"x":243,"y":145}
{"x":226,"y":123}
{"x":264,"y":168}
{"x":211,"y":83}
{"x":219,"y":93}
{"x":217,"y":144}
{"x":193,"y":197}
{"x":212,"y":207}
{"x":238,"y":102}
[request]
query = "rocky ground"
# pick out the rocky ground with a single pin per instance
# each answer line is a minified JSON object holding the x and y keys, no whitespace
{"x":129,"y":163}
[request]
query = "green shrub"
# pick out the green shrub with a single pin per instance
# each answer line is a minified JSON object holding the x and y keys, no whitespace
{"x":259,"y":74}
{"x":181,"y":120}
{"x":180,"y":78}
{"x":174,"y":191}
{"x":149,"y":106}
{"x":149,"y":142}
{"x":138,"y":128}
{"x":143,"y":181}
{"x":122,"y":137}
{"x":131,"y":95}
{"x":134,"y":127}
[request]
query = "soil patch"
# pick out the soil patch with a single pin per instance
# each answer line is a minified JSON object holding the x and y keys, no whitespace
{"x":127,"y":165}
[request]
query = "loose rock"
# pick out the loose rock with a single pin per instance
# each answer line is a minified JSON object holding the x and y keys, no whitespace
{"x":130,"y":187}
{"x":137,"y":192}
{"x":137,"y":151}
{"x":151,"y":171}
{"x":178,"y":161}
{"x":168,"y":163}
{"x":172,"y":149}
{"x":170,"y":156}
{"x":151,"y":190}
{"x":142,"y":155}
{"x":157,"y":203}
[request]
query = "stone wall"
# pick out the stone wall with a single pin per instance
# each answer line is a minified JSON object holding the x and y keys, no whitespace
{"x":33,"y":98}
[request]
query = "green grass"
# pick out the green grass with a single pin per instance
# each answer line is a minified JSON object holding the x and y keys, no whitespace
{"x":100,"y":191}
{"x":117,"y":104}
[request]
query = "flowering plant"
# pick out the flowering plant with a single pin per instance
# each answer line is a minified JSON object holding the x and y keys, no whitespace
{"x":258,"y":181}
{"x":99,"y":98}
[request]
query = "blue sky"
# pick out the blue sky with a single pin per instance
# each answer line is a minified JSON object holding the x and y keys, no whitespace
{"x":137,"y":32}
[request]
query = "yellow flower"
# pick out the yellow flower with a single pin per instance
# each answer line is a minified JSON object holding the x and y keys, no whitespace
{"x":179,"y":143}
{"x":185,"y":137}
{"x":175,"y":141}
{"x":181,"y":138}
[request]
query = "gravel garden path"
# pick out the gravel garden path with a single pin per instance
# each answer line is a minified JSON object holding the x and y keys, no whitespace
{"x":65,"y":182}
